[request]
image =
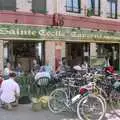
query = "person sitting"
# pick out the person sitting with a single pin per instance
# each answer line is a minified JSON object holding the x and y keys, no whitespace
{"x":35,"y":67}
{"x":63,"y":66}
{"x":19,"y":70}
{"x":62,"y":69}
{"x":109,"y":70}
{"x":10,"y":92}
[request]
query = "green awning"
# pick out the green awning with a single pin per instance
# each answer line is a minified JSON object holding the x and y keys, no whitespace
{"x":15,"y":31}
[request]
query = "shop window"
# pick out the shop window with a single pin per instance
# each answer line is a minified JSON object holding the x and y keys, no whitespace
{"x":39,"y":6}
{"x":73,"y":6}
{"x":104,"y":50}
{"x":100,"y":51}
{"x":112,"y":9}
{"x":93,"y":7}
{"x":8,"y":5}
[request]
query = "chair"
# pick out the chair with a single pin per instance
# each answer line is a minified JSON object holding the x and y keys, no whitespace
{"x":42,"y":84}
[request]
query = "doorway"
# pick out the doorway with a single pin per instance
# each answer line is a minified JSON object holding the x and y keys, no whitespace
{"x":77,"y":53}
{"x":111,"y":51}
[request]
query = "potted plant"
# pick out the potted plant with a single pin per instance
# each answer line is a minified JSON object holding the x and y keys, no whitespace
{"x":90,"y":12}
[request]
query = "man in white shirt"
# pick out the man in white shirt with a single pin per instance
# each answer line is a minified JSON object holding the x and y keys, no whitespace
{"x":10,"y":92}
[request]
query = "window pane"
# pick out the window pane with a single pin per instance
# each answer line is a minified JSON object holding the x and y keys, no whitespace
{"x":92,"y":4}
{"x":88,"y":3}
{"x":39,"y":5}
{"x":7,"y":4}
{"x":73,"y":5}
{"x":69,"y":5}
{"x":96,"y":11}
{"x":113,"y":9}
{"x":108,"y":8}
{"x":76,"y":6}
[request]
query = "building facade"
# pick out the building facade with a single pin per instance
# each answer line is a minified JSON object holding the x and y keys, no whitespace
{"x":80,"y":30}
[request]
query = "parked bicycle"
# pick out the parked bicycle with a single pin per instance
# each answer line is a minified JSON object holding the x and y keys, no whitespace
{"x":78,"y":99}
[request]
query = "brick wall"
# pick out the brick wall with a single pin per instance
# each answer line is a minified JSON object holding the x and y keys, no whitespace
{"x":25,"y":18}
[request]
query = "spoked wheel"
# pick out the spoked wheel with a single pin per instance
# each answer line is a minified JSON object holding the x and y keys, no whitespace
{"x":90,"y":107}
{"x":115,"y":101}
{"x":102,"y":95}
{"x":57,"y":100}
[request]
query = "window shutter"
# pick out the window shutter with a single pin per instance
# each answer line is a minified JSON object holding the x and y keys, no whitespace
{"x":39,"y":6}
{"x":7,"y":4}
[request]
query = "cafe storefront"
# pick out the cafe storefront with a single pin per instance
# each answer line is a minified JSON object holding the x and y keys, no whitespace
{"x":22,"y":43}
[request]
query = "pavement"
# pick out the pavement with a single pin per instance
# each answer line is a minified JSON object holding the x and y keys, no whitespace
{"x":24,"y":112}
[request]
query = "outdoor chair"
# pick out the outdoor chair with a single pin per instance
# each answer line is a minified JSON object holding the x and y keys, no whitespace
{"x":42,"y":85}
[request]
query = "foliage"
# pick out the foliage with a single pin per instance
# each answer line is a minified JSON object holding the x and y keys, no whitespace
{"x":24,"y":83}
{"x":39,"y":11}
{"x":90,"y":12}
{"x":30,"y":88}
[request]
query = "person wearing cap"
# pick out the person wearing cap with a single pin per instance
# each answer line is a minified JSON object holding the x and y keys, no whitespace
{"x":10,"y":92}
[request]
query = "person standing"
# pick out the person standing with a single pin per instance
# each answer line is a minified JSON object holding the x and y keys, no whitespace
{"x":107,"y":62}
{"x":9,"y":92}
{"x":7,"y":71}
{"x":19,"y":70}
{"x":35,"y":67}
{"x":48,"y":67}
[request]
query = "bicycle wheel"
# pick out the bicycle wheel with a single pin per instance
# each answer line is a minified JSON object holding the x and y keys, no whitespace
{"x":90,"y":107}
{"x":102,"y":95}
{"x":104,"y":102}
{"x":115,"y":101}
{"x":57,"y":99}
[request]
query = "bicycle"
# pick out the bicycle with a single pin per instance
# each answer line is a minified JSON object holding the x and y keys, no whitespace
{"x":110,"y":85}
{"x":63,"y":98}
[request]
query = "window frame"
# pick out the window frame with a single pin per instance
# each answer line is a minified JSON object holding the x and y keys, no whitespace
{"x":93,"y":7}
{"x":99,"y":8}
{"x":4,"y":7}
{"x":111,"y":9}
{"x":72,"y":7}
{"x":39,"y":10}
